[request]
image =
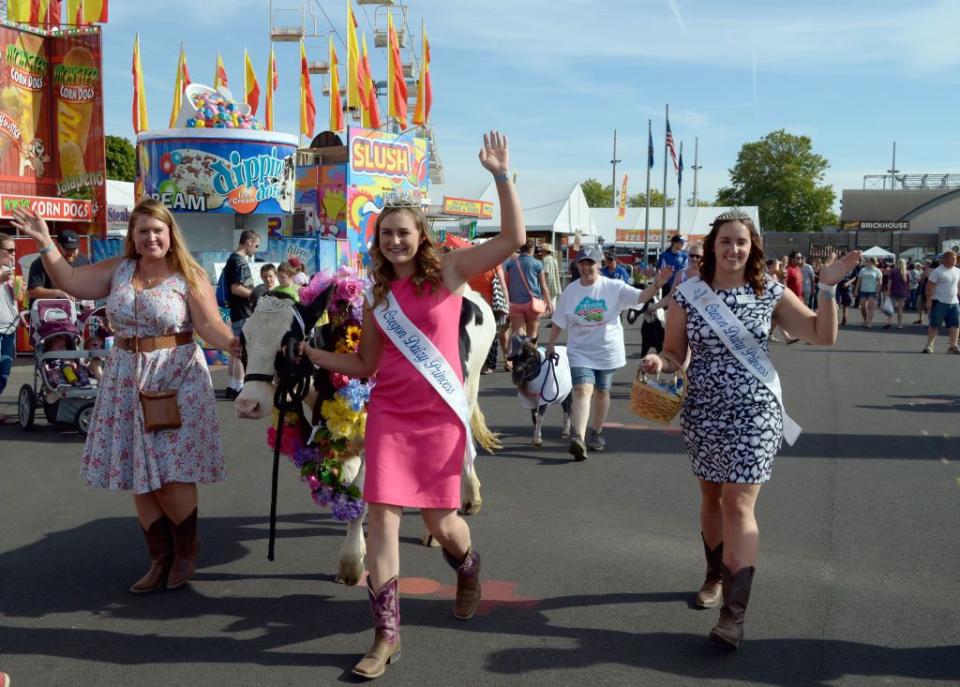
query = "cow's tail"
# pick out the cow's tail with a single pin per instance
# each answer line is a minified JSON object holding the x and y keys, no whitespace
{"x":488,"y":440}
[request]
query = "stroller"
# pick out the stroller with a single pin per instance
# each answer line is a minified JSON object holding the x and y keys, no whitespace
{"x":62,"y":384}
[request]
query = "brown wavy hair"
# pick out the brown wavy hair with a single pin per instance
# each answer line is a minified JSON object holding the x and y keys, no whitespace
{"x":427,"y":258}
{"x":754,"y":272}
{"x":178,"y":257}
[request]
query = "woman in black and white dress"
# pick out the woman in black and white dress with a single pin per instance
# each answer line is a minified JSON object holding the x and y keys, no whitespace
{"x":732,"y":423}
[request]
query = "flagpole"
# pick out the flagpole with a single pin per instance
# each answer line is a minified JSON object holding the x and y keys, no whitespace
{"x":646,"y":221}
{"x":663,"y":221}
{"x":614,"y":162}
{"x":696,"y":167}
{"x":680,"y":190}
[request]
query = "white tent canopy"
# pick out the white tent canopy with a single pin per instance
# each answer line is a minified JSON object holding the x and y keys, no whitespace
{"x":878,"y":252}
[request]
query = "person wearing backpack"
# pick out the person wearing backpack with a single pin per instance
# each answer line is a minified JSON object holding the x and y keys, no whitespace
{"x":239,"y":287}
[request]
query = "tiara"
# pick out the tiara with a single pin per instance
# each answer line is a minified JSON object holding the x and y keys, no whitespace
{"x":731,"y":214}
{"x":402,"y":199}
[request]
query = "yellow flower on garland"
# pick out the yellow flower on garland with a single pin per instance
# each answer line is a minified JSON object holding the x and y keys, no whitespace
{"x":290,"y":419}
{"x":351,"y":341}
{"x":342,"y":421}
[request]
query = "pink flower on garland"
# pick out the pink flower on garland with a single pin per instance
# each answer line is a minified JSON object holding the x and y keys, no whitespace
{"x":313,"y":482}
{"x":339,"y":380}
{"x":317,"y":285}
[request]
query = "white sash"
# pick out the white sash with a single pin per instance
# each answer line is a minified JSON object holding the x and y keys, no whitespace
{"x":741,"y":343}
{"x":429,"y":362}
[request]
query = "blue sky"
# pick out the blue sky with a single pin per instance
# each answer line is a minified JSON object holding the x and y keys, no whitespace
{"x":560,"y":76}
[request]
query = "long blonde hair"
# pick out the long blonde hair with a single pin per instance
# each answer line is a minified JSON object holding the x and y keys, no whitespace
{"x":902,"y":267}
{"x":178,"y":257}
{"x":427,"y":258}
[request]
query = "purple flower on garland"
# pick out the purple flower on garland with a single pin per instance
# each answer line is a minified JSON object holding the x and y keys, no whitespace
{"x":345,"y":508}
{"x":323,"y":496}
{"x":310,"y":454}
{"x":313,"y":482}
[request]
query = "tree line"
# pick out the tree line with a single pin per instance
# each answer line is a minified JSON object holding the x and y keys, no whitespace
{"x":780,"y":174}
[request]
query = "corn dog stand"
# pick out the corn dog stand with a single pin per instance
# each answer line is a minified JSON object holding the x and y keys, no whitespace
{"x":52,"y":157}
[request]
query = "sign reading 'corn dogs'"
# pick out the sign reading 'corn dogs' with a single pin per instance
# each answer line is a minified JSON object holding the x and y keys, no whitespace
{"x":52,"y":156}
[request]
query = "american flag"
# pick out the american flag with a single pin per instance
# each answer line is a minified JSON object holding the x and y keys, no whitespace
{"x":672,"y":149}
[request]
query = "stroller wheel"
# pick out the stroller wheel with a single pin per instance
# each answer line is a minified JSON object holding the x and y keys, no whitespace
{"x":26,"y":406}
{"x":83,"y":418}
{"x":50,"y":411}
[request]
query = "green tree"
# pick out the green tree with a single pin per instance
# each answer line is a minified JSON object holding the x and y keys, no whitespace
{"x":701,"y":203}
{"x":782,"y":176}
{"x":121,"y":159}
{"x":639,"y":200}
{"x":598,"y":195}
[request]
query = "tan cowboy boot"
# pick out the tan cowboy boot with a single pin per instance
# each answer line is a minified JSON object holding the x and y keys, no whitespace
{"x":736,"y":595}
{"x":186,"y":547}
{"x":159,"y":538}
{"x":385,"y":607}
{"x":710,"y":592}
{"x":468,"y":583}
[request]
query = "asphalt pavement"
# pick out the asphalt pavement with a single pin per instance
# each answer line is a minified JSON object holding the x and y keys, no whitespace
{"x":589,"y":568}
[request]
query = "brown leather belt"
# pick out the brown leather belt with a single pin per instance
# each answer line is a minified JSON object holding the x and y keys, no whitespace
{"x":147,"y":344}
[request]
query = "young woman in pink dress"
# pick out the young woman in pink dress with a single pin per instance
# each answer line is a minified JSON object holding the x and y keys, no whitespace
{"x":414,"y":441}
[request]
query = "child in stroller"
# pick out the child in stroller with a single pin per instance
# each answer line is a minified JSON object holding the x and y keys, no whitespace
{"x":62,"y":383}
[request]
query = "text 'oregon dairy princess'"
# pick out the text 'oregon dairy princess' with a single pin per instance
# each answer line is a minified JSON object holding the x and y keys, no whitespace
{"x":218,"y":171}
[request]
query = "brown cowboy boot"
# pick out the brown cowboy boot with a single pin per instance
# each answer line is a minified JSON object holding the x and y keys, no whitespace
{"x":712,"y":588}
{"x":385,"y":607}
{"x":186,"y":547}
{"x":159,"y":538}
{"x":736,"y":595}
{"x":468,"y":583}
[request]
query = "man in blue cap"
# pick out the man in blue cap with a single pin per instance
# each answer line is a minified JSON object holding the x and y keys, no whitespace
{"x":39,"y":284}
{"x":674,"y":257}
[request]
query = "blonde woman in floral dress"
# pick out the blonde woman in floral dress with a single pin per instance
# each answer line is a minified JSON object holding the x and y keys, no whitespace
{"x":157,"y":298}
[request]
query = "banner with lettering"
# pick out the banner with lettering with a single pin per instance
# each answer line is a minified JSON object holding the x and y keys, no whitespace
{"x":379,"y":162}
{"x":208,"y":170}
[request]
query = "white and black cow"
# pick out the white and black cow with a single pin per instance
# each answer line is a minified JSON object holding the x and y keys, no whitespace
{"x":264,"y":333}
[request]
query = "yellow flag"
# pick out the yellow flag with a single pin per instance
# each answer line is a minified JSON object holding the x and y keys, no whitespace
{"x":353,"y":59}
{"x":220,"y":75}
{"x":251,"y":87}
{"x":140,"y":122}
{"x":336,"y":104}
{"x":273,"y":81}
{"x":183,"y":80}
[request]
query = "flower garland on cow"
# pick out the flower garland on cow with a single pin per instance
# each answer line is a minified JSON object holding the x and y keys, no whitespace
{"x":340,"y":414}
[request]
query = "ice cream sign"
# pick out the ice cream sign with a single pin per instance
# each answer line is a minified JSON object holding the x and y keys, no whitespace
{"x":240,"y":172}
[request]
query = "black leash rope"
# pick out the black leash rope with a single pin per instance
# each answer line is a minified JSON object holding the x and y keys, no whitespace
{"x":292,"y":376}
{"x":552,"y":362}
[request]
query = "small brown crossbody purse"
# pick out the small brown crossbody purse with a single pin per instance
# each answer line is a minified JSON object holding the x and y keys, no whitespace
{"x":160,"y":408}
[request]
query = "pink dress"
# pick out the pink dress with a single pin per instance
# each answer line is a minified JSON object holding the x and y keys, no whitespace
{"x":414,"y":441}
{"x":118,"y":453}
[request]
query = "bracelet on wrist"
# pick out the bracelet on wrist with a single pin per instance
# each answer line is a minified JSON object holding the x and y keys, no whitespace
{"x":46,"y":249}
{"x":501,"y":177}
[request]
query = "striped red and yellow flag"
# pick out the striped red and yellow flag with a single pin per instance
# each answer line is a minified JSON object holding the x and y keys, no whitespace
{"x":84,"y":12}
{"x":424,"y":90}
{"x":353,"y":60}
{"x":251,"y":87}
{"x":396,"y":85}
{"x":28,"y":11}
{"x":371,"y":108}
{"x":273,"y":80}
{"x":220,"y":75}
{"x":336,"y":103}
{"x":183,"y":80}
{"x":140,"y":122}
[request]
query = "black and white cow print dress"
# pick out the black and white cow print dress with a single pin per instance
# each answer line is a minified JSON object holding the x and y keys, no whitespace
{"x":732,"y":424}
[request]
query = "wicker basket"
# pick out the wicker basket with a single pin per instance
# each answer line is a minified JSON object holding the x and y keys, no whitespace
{"x":655,"y":404}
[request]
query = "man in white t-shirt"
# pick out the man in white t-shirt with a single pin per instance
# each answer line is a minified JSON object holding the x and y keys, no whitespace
{"x":589,"y":310}
{"x":943,"y":295}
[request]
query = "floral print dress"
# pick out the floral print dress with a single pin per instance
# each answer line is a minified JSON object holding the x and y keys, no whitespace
{"x":118,"y":453}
